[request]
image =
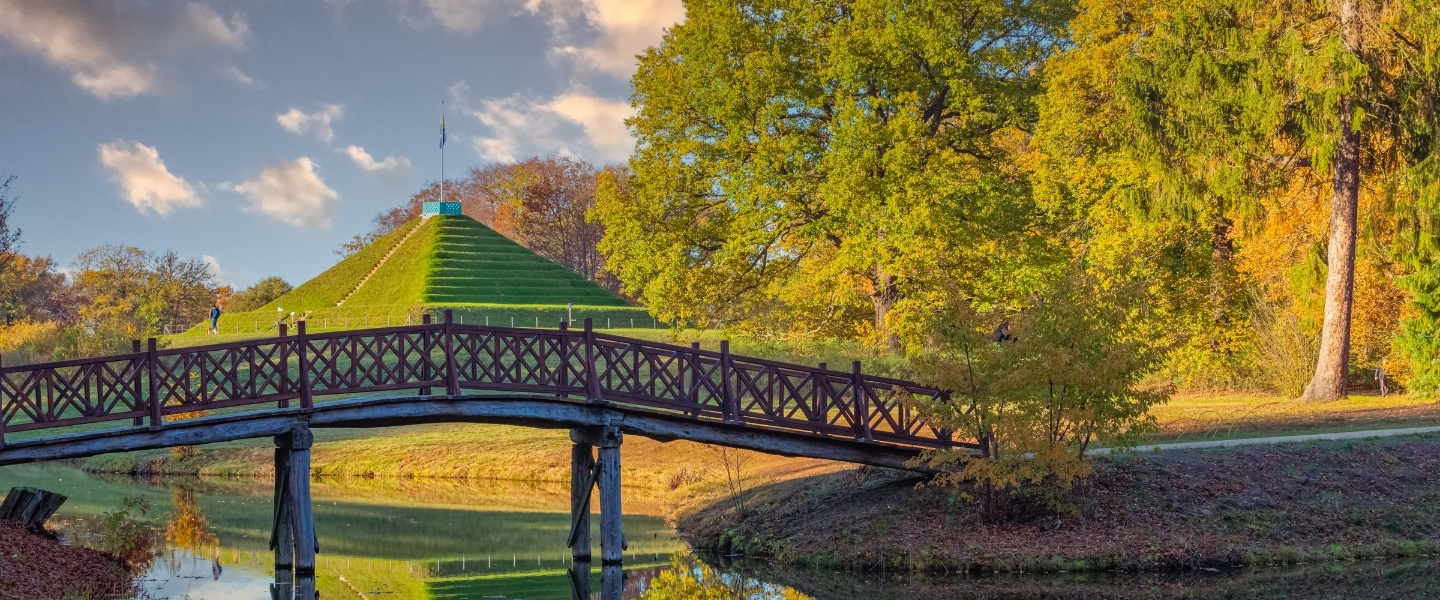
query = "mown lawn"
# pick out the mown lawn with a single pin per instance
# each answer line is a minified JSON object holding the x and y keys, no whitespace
{"x":1190,"y":417}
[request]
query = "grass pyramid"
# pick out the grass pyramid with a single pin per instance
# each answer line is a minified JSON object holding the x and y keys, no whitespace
{"x":444,"y":261}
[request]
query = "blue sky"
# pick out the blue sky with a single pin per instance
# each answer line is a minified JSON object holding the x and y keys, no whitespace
{"x":259,"y":135}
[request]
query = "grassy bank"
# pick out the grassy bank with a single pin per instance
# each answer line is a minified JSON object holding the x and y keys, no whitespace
{"x":1182,"y":510}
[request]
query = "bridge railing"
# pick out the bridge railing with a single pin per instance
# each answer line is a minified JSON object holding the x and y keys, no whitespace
{"x":152,"y":386}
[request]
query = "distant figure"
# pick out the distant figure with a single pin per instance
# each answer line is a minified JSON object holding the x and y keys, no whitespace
{"x":1380,"y":377}
{"x":215,"y":318}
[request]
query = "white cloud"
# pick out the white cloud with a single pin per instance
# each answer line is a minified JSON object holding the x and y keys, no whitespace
{"x":392,"y":165}
{"x":598,"y":34}
{"x":213,"y":266}
{"x":317,"y":123}
{"x":235,"y":74}
{"x":215,"y":29}
{"x":614,"y":31}
{"x":144,"y":180}
{"x":111,"y":51}
{"x":522,"y":126}
{"x":291,"y":193}
{"x":460,"y":15}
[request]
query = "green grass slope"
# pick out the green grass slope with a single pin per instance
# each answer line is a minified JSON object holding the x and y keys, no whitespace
{"x":451,"y":262}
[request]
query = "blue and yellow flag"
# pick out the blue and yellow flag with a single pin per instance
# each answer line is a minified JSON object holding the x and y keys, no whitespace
{"x":442,"y":133}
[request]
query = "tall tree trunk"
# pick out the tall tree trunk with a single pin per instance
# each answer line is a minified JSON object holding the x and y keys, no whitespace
{"x":884,"y":298}
{"x":1333,"y":366}
{"x":1222,"y":251}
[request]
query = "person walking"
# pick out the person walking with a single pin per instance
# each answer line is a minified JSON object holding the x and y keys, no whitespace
{"x":215,"y":318}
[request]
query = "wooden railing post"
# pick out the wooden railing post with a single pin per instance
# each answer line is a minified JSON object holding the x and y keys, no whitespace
{"x":425,"y":373}
{"x":695,"y":374}
{"x":150,"y":358}
{"x":452,"y":372}
{"x":306,"y":401}
{"x":861,"y":410}
{"x":727,"y":392}
{"x":564,"y":376}
{"x":2,"y":406}
{"x":592,"y":380}
{"x":285,"y":384}
{"x":135,"y":384}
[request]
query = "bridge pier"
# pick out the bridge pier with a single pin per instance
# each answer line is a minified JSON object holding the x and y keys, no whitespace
{"x":605,"y":473}
{"x":582,"y":471}
{"x":293,"y":534}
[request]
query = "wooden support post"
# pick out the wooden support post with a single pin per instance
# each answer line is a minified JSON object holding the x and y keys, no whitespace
{"x":305,"y":587}
{"x":284,"y":586}
{"x":861,"y":409}
{"x":425,"y":373}
{"x":452,"y":373}
{"x":306,"y":545}
{"x":293,"y":537}
{"x":582,"y":481}
{"x":731,"y":407}
{"x":612,"y":538}
{"x":579,"y":579}
{"x":136,"y":388}
{"x":302,"y":344}
{"x":150,"y":358}
{"x":612,"y":582}
{"x":282,"y":536}
{"x":592,"y":380}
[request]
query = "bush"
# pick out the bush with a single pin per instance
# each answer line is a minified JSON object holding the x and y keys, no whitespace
{"x":1038,"y":386}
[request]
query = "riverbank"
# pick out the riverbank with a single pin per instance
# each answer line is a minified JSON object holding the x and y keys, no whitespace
{"x":35,"y":567}
{"x":1180,"y":510}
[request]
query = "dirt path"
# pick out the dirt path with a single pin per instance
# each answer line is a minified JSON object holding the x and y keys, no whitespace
{"x":1280,"y":439}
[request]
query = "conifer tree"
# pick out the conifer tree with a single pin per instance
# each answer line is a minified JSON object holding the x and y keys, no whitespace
{"x":1234,"y":98}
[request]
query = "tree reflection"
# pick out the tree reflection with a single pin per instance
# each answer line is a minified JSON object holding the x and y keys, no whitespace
{"x":690,"y":579}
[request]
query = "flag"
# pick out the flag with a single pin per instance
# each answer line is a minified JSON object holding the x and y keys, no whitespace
{"x":442,"y":133}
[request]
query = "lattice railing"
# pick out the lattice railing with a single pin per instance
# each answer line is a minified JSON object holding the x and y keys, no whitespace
{"x":446,"y":358}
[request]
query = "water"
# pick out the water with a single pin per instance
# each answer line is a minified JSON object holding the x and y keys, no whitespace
{"x":454,"y":540}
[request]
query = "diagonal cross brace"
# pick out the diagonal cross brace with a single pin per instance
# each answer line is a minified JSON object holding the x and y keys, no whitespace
{"x":575,"y":518}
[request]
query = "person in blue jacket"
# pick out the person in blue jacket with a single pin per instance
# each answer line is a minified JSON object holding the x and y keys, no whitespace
{"x":215,"y":318}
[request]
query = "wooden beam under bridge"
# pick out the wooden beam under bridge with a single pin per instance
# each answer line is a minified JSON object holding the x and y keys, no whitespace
{"x":538,"y":411}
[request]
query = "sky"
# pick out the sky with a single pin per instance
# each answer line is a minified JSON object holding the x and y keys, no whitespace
{"x":258,"y":135}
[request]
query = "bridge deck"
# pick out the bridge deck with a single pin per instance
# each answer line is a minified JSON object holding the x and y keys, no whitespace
{"x":458,"y":373}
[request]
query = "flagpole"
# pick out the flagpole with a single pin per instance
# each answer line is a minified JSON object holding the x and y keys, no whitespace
{"x":442,"y":150}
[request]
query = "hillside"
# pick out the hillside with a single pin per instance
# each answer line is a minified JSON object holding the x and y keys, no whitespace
{"x":446,"y":261}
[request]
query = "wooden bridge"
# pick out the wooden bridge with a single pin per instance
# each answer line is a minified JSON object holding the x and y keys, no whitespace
{"x":599,"y":386}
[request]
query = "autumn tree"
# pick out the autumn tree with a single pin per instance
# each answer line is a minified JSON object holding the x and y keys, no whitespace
{"x":1232,"y":100}
{"x":137,"y":293}
{"x":812,"y":164}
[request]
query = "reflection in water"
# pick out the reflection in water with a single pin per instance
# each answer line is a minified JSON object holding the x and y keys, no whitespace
{"x":409,"y":540}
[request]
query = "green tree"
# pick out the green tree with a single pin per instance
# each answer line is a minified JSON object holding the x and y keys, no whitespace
{"x":1231,"y":99}
{"x":813,"y":164}
{"x":258,"y":294}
